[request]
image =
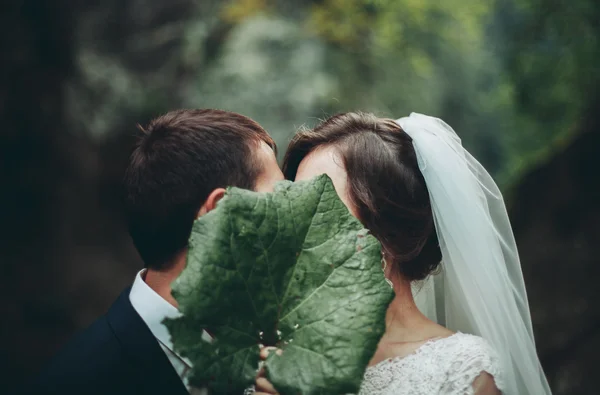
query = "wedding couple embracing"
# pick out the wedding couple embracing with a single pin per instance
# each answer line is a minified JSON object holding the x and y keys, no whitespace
{"x":459,"y":322}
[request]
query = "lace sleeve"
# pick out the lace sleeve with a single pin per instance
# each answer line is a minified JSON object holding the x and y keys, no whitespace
{"x":475,"y":371}
{"x":460,"y":364}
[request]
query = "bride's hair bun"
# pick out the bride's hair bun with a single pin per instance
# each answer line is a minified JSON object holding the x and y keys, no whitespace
{"x":385,"y":186}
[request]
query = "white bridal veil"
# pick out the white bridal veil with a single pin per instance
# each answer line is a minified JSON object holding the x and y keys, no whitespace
{"x":481,"y":279}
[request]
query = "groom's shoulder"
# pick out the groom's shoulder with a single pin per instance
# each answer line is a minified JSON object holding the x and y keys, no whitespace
{"x":94,"y":356}
{"x":89,"y":346}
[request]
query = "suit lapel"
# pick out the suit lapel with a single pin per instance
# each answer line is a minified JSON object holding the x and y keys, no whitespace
{"x":157,"y":374}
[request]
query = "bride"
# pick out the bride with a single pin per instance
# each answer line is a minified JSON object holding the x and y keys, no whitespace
{"x":446,"y":237}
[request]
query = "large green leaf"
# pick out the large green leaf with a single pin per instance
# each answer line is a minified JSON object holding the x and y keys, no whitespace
{"x":292,"y":269}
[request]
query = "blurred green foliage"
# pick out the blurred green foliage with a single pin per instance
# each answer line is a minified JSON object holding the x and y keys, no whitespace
{"x":511,"y":76}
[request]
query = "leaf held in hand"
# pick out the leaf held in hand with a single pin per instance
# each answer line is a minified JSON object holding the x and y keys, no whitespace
{"x":292,"y":269}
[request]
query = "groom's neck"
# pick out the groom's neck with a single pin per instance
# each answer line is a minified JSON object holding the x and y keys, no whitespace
{"x":160,"y":280}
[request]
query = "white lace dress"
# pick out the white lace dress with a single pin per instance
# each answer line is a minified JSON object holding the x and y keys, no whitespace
{"x":447,"y":366}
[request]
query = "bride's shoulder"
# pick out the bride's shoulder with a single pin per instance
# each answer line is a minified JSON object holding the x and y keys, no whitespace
{"x":463,"y":343}
{"x":456,"y":364}
{"x":470,"y":357}
{"x":462,"y":350}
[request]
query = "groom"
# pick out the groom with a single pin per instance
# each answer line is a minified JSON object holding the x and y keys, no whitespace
{"x":178,"y":171}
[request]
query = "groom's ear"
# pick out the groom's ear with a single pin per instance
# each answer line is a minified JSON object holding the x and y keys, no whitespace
{"x":211,"y":201}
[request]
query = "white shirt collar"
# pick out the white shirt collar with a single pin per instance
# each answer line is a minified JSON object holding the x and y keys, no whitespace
{"x":153,"y":309}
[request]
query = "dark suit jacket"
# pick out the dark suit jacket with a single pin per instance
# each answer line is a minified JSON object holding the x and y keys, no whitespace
{"x":117,"y":354}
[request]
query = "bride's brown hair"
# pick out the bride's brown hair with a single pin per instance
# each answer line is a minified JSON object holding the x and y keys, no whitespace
{"x":385,"y":185}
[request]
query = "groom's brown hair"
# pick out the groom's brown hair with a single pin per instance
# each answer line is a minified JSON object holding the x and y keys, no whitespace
{"x":179,"y":159}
